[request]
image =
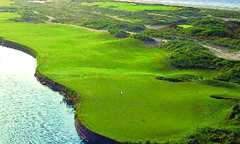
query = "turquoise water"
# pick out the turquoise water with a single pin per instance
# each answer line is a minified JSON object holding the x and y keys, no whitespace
{"x":214,"y":3}
{"x":31,"y":113}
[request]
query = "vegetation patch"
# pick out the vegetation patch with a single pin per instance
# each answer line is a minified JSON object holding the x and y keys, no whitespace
{"x":217,"y":83}
{"x":230,"y":73}
{"x":214,"y":135}
{"x":234,"y":118}
{"x":185,"y":54}
{"x":142,"y":37}
{"x":31,"y":18}
{"x":119,"y":33}
{"x":130,"y":6}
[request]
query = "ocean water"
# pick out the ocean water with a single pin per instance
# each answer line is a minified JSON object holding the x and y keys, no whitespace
{"x":211,"y":3}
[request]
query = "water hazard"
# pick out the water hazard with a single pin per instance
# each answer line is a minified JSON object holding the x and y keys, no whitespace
{"x":31,"y":113}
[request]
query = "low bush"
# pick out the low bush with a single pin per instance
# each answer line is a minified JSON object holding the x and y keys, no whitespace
{"x":214,"y":135}
{"x":119,"y":33}
{"x":230,"y":74}
{"x":142,"y":37}
{"x":185,"y":54}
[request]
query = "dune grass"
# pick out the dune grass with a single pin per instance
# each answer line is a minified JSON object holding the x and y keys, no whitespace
{"x":130,"y":6}
{"x":98,"y":66}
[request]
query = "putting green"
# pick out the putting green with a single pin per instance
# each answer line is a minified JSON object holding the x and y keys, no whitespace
{"x":130,"y":6}
{"x":5,"y":3}
{"x":186,"y":26}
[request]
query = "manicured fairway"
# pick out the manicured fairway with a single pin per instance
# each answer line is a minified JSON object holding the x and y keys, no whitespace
{"x":5,"y":3}
{"x":129,"y":6}
{"x":99,"y":66}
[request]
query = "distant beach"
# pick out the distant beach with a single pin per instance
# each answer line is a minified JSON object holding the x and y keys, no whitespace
{"x":214,"y":4}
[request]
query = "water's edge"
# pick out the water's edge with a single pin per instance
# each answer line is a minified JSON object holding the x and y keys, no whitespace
{"x":181,"y":4}
{"x":70,"y":95}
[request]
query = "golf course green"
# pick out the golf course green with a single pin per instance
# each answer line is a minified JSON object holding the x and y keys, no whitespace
{"x":98,"y":66}
{"x":6,"y":3}
{"x":129,"y":6}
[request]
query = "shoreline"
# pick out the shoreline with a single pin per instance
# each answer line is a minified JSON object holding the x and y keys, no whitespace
{"x":181,"y":4}
{"x":70,"y":95}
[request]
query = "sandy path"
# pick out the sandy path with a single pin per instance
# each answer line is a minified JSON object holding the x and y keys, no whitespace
{"x":230,"y":19}
{"x":160,"y":40}
{"x":223,"y":53}
{"x":86,"y":28}
{"x":118,"y":18}
{"x":156,"y":27}
{"x":50,"y":19}
{"x":81,"y":27}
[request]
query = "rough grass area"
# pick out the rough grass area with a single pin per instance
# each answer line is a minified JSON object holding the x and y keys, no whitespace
{"x":98,"y":66}
{"x":130,"y":6}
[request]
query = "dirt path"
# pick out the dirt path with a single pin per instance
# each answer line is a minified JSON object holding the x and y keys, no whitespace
{"x":226,"y":19}
{"x":230,"y":19}
{"x":223,"y":53}
{"x":86,"y":28}
{"x":160,"y":40}
{"x":160,"y":15}
{"x":131,"y":33}
{"x":81,"y":27}
{"x":35,"y":12}
{"x":156,"y":27}
{"x":118,"y":18}
{"x":50,"y":19}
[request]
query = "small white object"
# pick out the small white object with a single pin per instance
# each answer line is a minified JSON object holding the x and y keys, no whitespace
{"x":121,"y":92}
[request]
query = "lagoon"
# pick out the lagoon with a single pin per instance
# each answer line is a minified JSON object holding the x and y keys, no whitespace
{"x":29,"y":111}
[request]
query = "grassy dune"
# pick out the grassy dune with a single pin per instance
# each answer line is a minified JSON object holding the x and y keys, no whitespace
{"x":129,"y":6}
{"x":99,"y":66}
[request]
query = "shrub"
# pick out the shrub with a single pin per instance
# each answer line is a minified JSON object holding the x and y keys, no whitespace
{"x":119,"y":33}
{"x":230,"y":74}
{"x":214,"y":135}
{"x":185,"y":54}
{"x":208,"y":21}
{"x":217,"y":32}
{"x":142,"y":37}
